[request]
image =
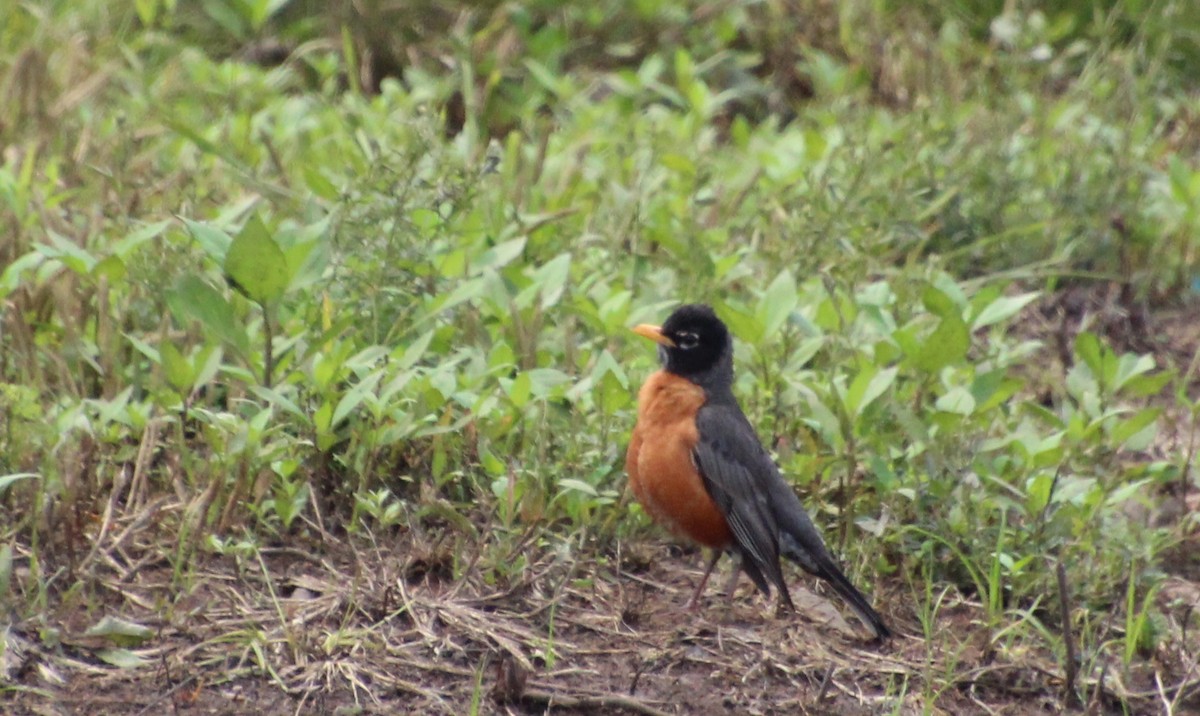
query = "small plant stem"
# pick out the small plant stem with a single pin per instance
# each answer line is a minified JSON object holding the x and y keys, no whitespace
{"x":1071,"y":668}
{"x":268,"y":346}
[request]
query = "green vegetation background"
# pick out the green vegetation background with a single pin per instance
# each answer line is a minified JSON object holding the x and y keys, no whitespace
{"x":369,"y":268}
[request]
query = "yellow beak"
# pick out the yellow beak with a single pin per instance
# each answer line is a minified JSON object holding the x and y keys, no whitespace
{"x":654,"y":333}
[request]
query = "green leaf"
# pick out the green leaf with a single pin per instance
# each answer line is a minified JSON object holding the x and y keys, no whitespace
{"x":545,"y":380}
{"x":7,"y":481}
{"x":121,"y":658}
{"x":6,"y":571}
{"x":212,"y":240}
{"x":111,"y":268}
{"x":777,"y":303}
{"x":177,"y":369}
{"x":255,"y":264}
{"x":1091,"y":352}
{"x":354,"y":397}
{"x":1125,"y":429}
{"x":73,"y":256}
{"x":205,"y":364}
{"x":821,"y":419}
{"x":1002,"y":309}
{"x":868,"y":385}
{"x":520,"y":390}
{"x":140,"y":236}
{"x":551,"y":279}
{"x":147,"y":11}
{"x":192,"y":299}
{"x":947,"y":345}
{"x":939,"y":304}
{"x":415,"y":351}
{"x":493,"y":465}
{"x":120,"y":632}
{"x":499,"y":255}
{"x":1130,"y":366}
{"x":957,"y":400}
{"x":14,"y":274}
{"x":570,"y":483}
{"x":306,"y":263}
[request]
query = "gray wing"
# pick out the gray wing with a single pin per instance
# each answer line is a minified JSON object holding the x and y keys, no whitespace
{"x":737,"y":485}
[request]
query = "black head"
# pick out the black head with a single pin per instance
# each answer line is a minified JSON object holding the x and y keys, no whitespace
{"x":695,"y":344}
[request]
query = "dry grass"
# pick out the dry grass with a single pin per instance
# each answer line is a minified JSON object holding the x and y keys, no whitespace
{"x":349,"y":626}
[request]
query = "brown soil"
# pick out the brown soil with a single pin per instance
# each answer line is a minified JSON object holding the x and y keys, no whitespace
{"x":350,"y":631}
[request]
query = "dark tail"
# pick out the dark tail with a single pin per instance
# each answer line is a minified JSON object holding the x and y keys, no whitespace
{"x":830,"y":572}
{"x":815,"y":559}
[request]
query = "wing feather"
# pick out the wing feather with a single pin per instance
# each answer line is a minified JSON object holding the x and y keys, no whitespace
{"x":738,"y":490}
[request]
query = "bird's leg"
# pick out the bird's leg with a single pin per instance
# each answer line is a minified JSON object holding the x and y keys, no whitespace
{"x":785,"y":605}
{"x":695,"y":601}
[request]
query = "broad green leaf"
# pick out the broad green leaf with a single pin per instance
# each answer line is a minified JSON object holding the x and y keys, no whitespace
{"x":318,"y":182}
{"x":121,"y":658}
{"x":545,"y":380}
{"x":821,"y":419}
{"x":71,"y":254}
{"x":947,"y":345}
{"x":1091,"y":352}
{"x":939,"y":304}
{"x":111,"y":268}
{"x":193,"y":299}
{"x":214,"y":241}
{"x":520,"y":390}
{"x":868,"y":385}
{"x":256,"y":265}
{"x":499,"y":255}
{"x":957,"y":400}
{"x":306,"y":263}
{"x":275,"y":398}
{"x":570,"y":483}
{"x":493,"y":465}
{"x":551,"y":279}
{"x":206,"y":363}
{"x":1146,"y":385}
{"x":415,"y":351}
{"x":147,"y":11}
{"x":140,"y":236}
{"x":178,"y":370}
{"x":1128,"y":367}
{"x":741,"y":323}
{"x":120,"y":632}
{"x":13,"y":274}
{"x":1002,"y":309}
{"x":777,"y":303}
{"x":354,"y":397}
{"x":1126,"y":428}
{"x":1123,"y":493}
{"x":1038,"y":490}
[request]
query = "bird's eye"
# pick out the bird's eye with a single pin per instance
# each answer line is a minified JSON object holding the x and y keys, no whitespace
{"x":687,"y":340}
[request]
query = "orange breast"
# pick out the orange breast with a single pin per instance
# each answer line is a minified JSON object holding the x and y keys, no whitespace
{"x":662,"y":473}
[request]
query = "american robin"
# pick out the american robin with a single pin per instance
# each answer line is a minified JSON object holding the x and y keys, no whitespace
{"x":697,"y":466}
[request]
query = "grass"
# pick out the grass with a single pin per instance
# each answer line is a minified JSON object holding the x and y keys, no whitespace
{"x":316,"y":376}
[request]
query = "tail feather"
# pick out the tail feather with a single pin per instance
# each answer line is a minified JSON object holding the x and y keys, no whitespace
{"x":854,"y":599}
{"x":815,"y":559}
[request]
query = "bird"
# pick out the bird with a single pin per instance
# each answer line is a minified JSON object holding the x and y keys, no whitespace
{"x":696,"y":465}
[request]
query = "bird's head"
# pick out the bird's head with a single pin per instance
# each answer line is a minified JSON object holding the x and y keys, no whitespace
{"x":693,"y":343}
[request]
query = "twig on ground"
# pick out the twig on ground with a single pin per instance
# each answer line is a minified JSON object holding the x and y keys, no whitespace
{"x":606,"y":701}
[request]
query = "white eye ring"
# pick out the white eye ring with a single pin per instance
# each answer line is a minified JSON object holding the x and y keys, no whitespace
{"x":688,"y":341}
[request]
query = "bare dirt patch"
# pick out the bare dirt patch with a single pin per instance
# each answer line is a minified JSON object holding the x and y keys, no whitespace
{"x":370,"y":630}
